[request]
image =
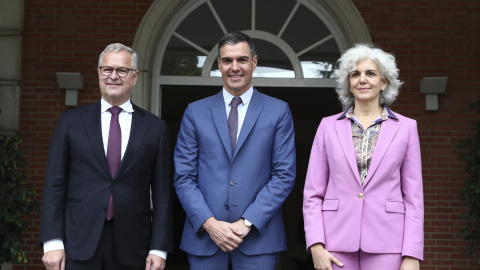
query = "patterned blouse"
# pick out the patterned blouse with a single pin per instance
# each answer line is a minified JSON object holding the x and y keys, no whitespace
{"x":364,"y":140}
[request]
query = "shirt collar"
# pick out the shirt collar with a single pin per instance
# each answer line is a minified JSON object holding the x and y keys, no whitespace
{"x":127,"y":106}
{"x":386,"y":112}
{"x":391,"y":114}
{"x":246,"y":97}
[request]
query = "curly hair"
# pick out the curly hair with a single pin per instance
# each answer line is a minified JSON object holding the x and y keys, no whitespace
{"x":386,"y":65}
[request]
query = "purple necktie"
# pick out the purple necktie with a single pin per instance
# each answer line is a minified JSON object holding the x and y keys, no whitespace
{"x":114,"y":152}
{"x":233,"y":121}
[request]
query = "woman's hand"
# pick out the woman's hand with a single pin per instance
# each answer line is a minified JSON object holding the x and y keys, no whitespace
{"x":410,"y":263}
{"x":322,"y":259}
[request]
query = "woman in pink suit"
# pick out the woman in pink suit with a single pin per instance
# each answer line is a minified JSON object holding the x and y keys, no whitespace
{"x":363,"y":196}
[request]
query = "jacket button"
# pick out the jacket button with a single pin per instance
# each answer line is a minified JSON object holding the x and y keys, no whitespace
{"x":232,"y":183}
{"x":360,"y":196}
{"x":226,"y":206}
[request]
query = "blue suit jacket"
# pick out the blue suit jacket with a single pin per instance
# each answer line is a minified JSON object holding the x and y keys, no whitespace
{"x":251,"y":182}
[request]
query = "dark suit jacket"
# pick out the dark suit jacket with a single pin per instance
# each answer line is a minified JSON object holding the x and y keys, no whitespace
{"x":252,"y":182}
{"x":78,"y":185}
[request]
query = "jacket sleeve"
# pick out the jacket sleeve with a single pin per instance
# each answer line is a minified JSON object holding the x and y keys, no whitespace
{"x":186,"y":173}
{"x":54,"y":189}
{"x":161,"y":185}
{"x":412,"y":189}
{"x":314,"y":190}
{"x":275,"y":192}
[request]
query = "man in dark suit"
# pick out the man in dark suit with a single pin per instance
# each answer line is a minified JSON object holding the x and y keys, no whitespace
{"x":106,"y":161}
{"x":234,"y":168}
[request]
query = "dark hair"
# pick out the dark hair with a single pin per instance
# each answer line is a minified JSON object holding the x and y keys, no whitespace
{"x":234,"y":38}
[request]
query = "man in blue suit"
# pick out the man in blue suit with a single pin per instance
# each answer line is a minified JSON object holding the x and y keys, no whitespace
{"x":234,"y":167}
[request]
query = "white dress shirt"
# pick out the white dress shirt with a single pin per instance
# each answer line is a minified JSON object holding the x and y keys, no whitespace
{"x":242,"y":107}
{"x":125,"y":121}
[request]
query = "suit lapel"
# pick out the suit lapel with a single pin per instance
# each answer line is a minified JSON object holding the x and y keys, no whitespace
{"x":220,"y":118}
{"x":93,"y":126}
{"x":137,"y":131}
{"x":387,"y":133}
{"x":253,"y":112}
{"x":343,"y":128}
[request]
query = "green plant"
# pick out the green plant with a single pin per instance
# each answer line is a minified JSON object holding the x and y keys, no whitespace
{"x":16,"y":200}
{"x":471,"y":193}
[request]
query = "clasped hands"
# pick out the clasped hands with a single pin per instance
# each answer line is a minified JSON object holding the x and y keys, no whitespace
{"x":226,"y":235}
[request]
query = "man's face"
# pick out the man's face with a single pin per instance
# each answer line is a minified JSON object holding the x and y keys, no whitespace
{"x":114,"y":89}
{"x":236,"y":65}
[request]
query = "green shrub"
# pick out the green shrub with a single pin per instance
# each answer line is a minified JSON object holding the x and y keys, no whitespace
{"x":471,"y":192}
{"x":16,"y":200}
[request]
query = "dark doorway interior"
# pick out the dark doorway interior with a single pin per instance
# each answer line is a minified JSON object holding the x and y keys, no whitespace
{"x":308,"y":106}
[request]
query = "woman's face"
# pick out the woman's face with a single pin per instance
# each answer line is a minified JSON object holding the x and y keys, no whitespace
{"x":366,"y":82}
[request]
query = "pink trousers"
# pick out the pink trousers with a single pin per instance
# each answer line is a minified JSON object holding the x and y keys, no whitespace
{"x":368,"y":261}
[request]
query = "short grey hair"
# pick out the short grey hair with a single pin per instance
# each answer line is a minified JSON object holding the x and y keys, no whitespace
{"x":117,"y":47}
{"x":386,"y":65}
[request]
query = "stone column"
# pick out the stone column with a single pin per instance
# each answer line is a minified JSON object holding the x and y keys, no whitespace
{"x":11,"y":27}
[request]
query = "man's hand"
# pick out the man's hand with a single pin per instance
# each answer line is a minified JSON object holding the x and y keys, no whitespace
{"x":54,"y":260}
{"x":154,"y":262}
{"x":410,"y":263}
{"x":322,"y":259}
{"x":221,"y":233}
{"x":240,"y":229}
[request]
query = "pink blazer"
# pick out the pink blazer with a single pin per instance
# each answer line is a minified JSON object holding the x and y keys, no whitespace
{"x":383,"y":216}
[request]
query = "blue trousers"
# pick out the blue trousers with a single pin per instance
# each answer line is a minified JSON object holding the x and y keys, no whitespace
{"x":234,"y":260}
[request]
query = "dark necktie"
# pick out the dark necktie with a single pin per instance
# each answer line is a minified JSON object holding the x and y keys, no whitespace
{"x":114,"y":151}
{"x":233,"y":121}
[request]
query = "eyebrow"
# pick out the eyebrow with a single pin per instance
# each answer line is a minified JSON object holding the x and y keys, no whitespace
{"x":118,"y":67}
{"x":368,"y":70}
{"x":240,"y":57}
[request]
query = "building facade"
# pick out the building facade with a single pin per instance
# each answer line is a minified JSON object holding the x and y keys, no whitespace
{"x":298,"y":42}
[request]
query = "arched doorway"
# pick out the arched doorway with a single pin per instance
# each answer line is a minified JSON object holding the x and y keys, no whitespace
{"x":162,"y":18}
{"x":297,"y":42}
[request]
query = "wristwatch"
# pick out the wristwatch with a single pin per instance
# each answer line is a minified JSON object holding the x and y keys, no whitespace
{"x":247,"y":223}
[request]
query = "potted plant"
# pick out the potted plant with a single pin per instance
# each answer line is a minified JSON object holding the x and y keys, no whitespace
{"x":471,"y":193}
